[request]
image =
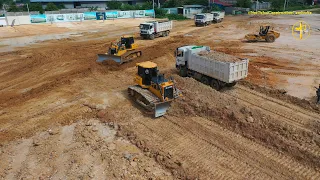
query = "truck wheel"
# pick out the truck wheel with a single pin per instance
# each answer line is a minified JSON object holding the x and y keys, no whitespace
{"x":152,"y":36}
{"x":182,"y":71}
{"x":231,"y":84}
{"x":270,"y":38}
{"x":168,"y":32}
{"x":215,"y":84}
{"x":205,"y":80}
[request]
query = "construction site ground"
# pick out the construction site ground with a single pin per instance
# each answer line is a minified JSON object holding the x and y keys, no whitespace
{"x":62,"y":115}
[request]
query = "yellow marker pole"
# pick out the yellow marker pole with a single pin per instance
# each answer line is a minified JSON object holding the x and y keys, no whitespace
{"x":301,"y":30}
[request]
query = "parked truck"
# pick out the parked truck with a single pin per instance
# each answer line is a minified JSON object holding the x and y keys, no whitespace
{"x":218,"y":16}
{"x":153,"y":29}
{"x":210,"y":67}
{"x":203,"y":19}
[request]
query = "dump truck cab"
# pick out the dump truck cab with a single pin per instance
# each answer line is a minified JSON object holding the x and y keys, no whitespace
{"x":182,"y":53}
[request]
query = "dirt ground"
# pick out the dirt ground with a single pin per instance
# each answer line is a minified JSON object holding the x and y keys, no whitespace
{"x":62,"y":115}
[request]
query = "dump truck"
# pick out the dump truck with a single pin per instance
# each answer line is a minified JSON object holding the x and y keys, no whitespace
{"x":203,"y":19}
{"x":152,"y":90}
{"x":218,"y":16}
{"x":153,"y":29}
{"x":210,"y":67}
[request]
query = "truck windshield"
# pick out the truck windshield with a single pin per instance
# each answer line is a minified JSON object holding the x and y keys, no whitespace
{"x":199,"y":16}
{"x":144,"y":26}
{"x":215,"y":14}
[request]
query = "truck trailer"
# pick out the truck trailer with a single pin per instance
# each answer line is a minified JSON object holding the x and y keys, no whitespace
{"x":153,"y":29}
{"x":218,"y":16}
{"x":210,"y":67}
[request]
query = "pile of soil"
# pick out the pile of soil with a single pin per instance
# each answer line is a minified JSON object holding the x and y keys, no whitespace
{"x":219,"y":56}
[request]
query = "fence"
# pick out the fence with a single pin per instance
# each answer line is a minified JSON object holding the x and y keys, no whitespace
{"x":69,"y":16}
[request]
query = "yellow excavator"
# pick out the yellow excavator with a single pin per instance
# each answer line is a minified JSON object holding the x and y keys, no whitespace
{"x":122,"y":51}
{"x":264,"y":34}
{"x":153,"y":91}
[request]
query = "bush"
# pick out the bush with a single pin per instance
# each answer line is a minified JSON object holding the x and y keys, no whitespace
{"x":212,"y":8}
{"x":51,"y":7}
{"x":244,"y":3}
{"x":160,"y":13}
{"x":177,"y":17}
{"x":93,"y":8}
{"x":114,"y":4}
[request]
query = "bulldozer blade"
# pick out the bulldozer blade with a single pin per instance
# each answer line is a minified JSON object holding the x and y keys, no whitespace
{"x":161,"y":108}
{"x":106,"y":57}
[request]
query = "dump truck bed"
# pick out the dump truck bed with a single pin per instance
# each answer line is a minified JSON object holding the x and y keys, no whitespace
{"x":224,"y":67}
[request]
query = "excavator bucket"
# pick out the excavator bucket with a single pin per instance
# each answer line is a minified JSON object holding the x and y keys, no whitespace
{"x":107,"y":57}
{"x":160,"y":109}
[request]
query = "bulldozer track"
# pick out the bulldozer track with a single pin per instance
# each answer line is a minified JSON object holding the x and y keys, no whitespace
{"x":292,"y":107}
{"x":149,"y":96}
{"x":292,"y":120}
{"x":131,"y":55}
{"x":253,"y":159}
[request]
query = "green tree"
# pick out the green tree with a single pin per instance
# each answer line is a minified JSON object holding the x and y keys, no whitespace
{"x":244,"y":3}
{"x":197,"y":2}
{"x":51,"y":7}
{"x":36,"y":7}
{"x":147,"y":5}
{"x":61,"y":6}
{"x":114,"y":4}
{"x":13,"y":7}
{"x":277,"y":4}
{"x":172,"y":3}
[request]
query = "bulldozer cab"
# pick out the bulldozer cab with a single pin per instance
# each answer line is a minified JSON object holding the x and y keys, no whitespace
{"x":127,"y":41}
{"x":147,"y":70}
{"x":264,"y":30}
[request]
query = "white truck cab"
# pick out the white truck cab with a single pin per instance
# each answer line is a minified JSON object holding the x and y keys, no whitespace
{"x":203,"y":19}
{"x":153,"y":29}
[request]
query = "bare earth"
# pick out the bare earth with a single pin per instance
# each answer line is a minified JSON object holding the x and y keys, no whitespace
{"x":62,"y":115}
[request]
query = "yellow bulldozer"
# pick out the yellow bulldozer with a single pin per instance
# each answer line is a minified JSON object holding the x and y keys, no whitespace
{"x":265,"y":34}
{"x":122,"y":51}
{"x":153,"y":92}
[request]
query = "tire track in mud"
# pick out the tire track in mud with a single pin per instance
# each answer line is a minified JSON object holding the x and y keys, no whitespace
{"x":300,"y":123}
{"x":253,"y":160}
{"x":305,"y":112}
{"x":262,"y":154}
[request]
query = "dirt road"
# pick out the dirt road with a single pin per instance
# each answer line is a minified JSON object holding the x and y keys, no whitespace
{"x":51,"y":91}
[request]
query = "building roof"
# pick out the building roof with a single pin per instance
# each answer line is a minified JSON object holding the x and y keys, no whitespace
{"x":222,"y":3}
{"x":192,"y":6}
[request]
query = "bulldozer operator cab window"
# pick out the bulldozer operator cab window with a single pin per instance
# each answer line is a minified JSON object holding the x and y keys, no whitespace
{"x":146,"y":74}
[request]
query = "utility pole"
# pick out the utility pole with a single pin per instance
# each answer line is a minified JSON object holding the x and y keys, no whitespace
{"x":28,"y":8}
{"x":284,"y":6}
{"x":154,"y":13}
{"x":256,"y":5}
